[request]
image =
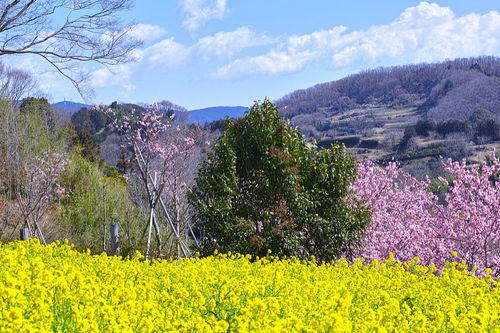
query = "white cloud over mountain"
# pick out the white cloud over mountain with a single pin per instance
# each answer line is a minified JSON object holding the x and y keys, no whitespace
{"x":424,"y":33}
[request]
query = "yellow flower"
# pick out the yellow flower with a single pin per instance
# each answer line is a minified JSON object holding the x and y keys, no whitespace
{"x":47,"y":288}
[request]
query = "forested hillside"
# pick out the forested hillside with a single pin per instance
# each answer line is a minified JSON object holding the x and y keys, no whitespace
{"x":414,"y":112}
{"x":431,"y":87}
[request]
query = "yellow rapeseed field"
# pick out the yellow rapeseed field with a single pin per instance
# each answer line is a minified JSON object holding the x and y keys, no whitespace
{"x":55,"y":288}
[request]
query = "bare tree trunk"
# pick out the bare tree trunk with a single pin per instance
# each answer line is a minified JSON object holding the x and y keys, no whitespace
{"x":114,"y":238}
{"x":25,"y":233}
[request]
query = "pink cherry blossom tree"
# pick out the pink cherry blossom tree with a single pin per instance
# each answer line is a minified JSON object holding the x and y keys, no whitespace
{"x":40,"y":188}
{"x":155,"y":155}
{"x":472,"y":212}
{"x":408,"y":220}
{"x":403,"y":214}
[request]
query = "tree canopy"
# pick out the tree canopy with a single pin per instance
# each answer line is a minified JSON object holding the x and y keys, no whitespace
{"x":264,"y":188}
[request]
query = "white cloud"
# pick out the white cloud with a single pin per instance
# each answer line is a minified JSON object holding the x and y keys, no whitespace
{"x":289,"y":56}
{"x":109,"y":76}
{"x":424,"y":33}
{"x":146,"y":32}
{"x":170,"y":54}
{"x":167,"y":54}
{"x":128,"y":90}
{"x":199,"y":12}
{"x":227,"y":44}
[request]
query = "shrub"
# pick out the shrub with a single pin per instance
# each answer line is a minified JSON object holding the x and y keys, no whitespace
{"x":489,"y":128}
{"x":369,"y":143}
{"x":349,"y":141}
{"x":423,"y":127}
{"x":453,"y":126}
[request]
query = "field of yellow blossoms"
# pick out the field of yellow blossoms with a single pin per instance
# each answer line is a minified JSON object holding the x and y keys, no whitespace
{"x":55,"y":288}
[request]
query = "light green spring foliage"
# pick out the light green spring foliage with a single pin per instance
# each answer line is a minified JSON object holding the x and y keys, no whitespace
{"x":26,"y":136}
{"x":82,"y":211}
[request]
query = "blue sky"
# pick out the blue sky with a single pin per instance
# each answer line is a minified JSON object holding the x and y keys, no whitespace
{"x":200,"y":53}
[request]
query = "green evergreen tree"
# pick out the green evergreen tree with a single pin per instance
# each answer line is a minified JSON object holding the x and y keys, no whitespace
{"x":264,"y":188}
{"x":87,"y":146}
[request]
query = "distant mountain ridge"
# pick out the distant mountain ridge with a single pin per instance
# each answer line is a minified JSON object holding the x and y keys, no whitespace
{"x":216,"y":113}
{"x":66,"y":108}
{"x":70,"y":106}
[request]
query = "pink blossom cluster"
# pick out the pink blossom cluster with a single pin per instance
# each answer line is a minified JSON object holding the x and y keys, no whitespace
{"x":44,"y":176}
{"x":408,"y":220}
{"x":144,"y":128}
{"x":155,"y":149}
{"x":40,"y":189}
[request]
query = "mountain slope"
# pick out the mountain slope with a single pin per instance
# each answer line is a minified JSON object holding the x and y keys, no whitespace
{"x":70,"y":106}
{"x":216,"y":113}
{"x":421,"y":85}
{"x":66,"y":109}
{"x":414,"y":113}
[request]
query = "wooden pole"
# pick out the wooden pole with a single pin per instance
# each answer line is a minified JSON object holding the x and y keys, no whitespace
{"x":113,"y":231}
{"x":151,"y":218}
{"x":149,"y":233}
{"x":25,"y":233}
{"x":104,"y":220}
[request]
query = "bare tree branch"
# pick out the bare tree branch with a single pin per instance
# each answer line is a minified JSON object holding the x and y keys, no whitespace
{"x":66,"y":32}
{"x":16,"y":83}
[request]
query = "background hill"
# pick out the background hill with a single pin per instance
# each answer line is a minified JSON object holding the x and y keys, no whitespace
{"x":70,"y":106}
{"x":414,"y":113}
{"x":216,"y":113}
{"x":66,"y":109}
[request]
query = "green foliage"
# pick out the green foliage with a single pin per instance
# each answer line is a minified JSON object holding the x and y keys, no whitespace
{"x":263,"y":188}
{"x":93,"y":121}
{"x":481,"y":115}
{"x":414,"y":154}
{"x":90,"y":192}
{"x":489,"y":127}
{"x":26,"y":133}
{"x":453,"y":126}
{"x":82,"y":121}
{"x":423,"y":127}
{"x":88,"y":148}
{"x":41,"y":108}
